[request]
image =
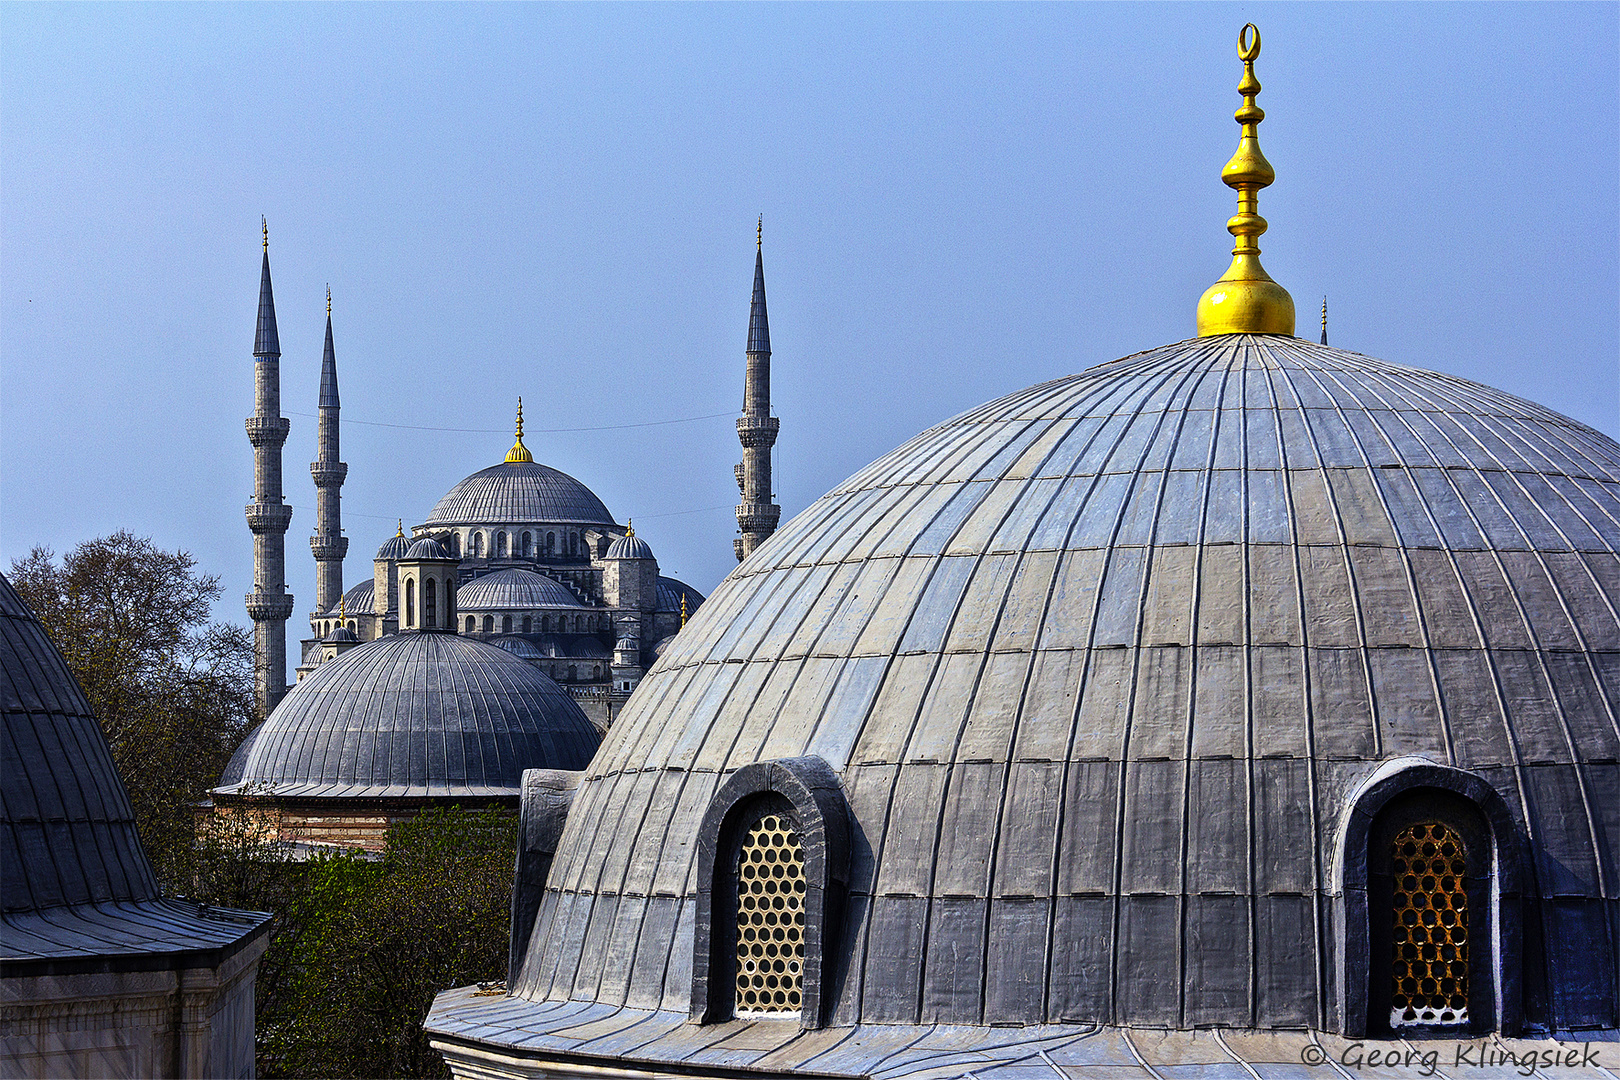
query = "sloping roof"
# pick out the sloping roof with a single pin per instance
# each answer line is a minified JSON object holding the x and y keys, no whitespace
{"x":74,"y":879}
{"x":414,"y":715}
{"x":518,"y":492}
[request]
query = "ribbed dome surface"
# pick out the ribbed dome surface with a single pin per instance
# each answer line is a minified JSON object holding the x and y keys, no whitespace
{"x":394,"y":547}
{"x":629,"y":547}
{"x":515,"y":589}
{"x":515,"y":492}
{"x":1100,"y":663}
{"x":425,"y":548}
{"x":670,"y":592}
{"x":416,"y":714}
{"x":358,"y":599}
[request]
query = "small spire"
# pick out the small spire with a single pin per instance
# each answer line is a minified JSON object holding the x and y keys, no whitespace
{"x":1324,"y":320}
{"x":329,"y":380}
{"x":683,"y":611}
{"x":266,"y":342}
{"x":759,"y":323}
{"x":401,"y":530}
{"x":1246,"y":300}
{"x":629,"y":527}
{"x":519,"y":452}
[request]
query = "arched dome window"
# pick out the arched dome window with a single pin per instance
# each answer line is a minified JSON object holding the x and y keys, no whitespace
{"x":506,"y":624}
{"x":1428,"y":926}
{"x":528,"y":624}
{"x":410,"y":602}
{"x":489,"y":624}
{"x":573,"y":673}
{"x":596,"y":673}
{"x":500,"y":545}
{"x":351,"y":626}
{"x":551,"y":543}
{"x":528,"y":545}
{"x":478,"y":545}
{"x":545,"y":624}
{"x":576,"y":624}
{"x":472,"y":624}
{"x":773,"y":868}
{"x":430,"y":609}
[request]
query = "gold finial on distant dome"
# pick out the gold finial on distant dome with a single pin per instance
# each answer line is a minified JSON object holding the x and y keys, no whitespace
{"x":519,"y":452}
{"x":629,"y":527}
{"x":683,"y":611}
{"x":401,"y":530}
{"x":1246,"y":300}
{"x":266,"y":223}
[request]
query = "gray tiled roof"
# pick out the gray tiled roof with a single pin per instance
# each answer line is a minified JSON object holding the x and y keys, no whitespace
{"x":510,"y":589}
{"x":415,"y":714}
{"x":515,"y":492}
{"x":1099,"y":664}
{"x":75,"y":881}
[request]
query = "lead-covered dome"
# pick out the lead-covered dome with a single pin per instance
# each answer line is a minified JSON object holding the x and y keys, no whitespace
{"x":1103,"y":667}
{"x":517,"y":492}
{"x":414,"y":714}
{"x":515,"y":589}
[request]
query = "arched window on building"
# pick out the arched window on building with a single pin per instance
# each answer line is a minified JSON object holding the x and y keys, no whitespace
{"x":528,"y":545}
{"x":455,"y":545}
{"x":576,"y":624}
{"x":472,"y":624}
{"x":573,"y":544}
{"x":489,"y":624}
{"x":596,"y":672}
{"x":528,"y":624}
{"x":478,"y":545}
{"x":500,"y":545}
{"x":351,"y":626}
{"x":551,"y":543}
{"x":430,"y":609}
{"x":1428,"y":926}
{"x":545,"y":624}
{"x":573,"y":673}
{"x":506,"y":624}
{"x":449,"y":604}
{"x":410,"y":602}
{"x":769,"y":930}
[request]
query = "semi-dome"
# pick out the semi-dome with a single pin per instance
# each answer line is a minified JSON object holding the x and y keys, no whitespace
{"x":425,"y":548}
{"x":629,"y":546}
{"x":415,"y":714}
{"x":1108,"y":671}
{"x":515,"y":589}
{"x":522,"y":648}
{"x":515,"y":492}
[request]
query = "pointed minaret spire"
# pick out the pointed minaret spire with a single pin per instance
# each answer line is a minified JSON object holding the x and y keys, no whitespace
{"x":757,"y":515}
{"x":328,"y":543}
{"x":269,"y":604}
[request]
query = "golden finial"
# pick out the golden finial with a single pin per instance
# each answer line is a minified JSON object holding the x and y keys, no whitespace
{"x":759,"y":233}
{"x":401,"y":530}
{"x":519,"y":452}
{"x":1324,"y":320}
{"x":683,"y":611}
{"x":266,"y":223}
{"x":629,"y":527}
{"x":340,"y":607}
{"x":1246,"y":300}
{"x":328,"y":301}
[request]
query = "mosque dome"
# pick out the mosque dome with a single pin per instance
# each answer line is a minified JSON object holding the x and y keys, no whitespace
{"x":359,"y":598}
{"x":629,"y":546}
{"x":515,"y":589}
{"x":670,"y":592}
{"x":1106,"y":670}
{"x":414,"y":714}
{"x":522,"y":648}
{"x":516,"y":492}
{"x":394,"y":548}
{"x":340,"y":634}
{"x":425,"y":548}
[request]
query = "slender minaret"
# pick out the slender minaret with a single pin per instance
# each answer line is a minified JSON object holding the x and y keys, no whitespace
{"x":328,"y":542}
{"x":269,"y":604}
{"x":756,"y":427}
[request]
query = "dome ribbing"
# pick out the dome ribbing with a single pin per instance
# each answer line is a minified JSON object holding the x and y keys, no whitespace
{"x":519,"y":492}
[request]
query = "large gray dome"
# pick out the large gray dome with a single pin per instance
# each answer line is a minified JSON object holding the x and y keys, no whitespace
{"x":516,"y":492}
{"x":1102,"y":666}
{"x":415,"y":714}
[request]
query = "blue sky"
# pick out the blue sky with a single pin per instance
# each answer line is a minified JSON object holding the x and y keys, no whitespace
{"x":559,"y":202}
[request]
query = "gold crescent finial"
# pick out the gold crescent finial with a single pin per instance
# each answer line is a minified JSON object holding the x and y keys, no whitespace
{"x":683,"y":611}
{"x":519,"y":452}
{"x":266,"y":223}
{"x":1324,"y":320}
{"x":1246,"y":300}
{"x":401,"y":530}
{"x":759,"y":233}
{"x":328,"y":300}
{"x":629,"y":527}
{"x":340,"y":609}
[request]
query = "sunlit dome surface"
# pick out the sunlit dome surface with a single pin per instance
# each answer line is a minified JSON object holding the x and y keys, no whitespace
{"x":518,"y":492}
{"x":1099,"y":664}
{"x":515,"y":589}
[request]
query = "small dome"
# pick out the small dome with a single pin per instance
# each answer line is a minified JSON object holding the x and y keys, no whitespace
{"x":522,"y":648}
{"x":341,"y":633}
{"x":426,"y":548}
{"x":519,"y":491}
{"x":629,"y":546}
{"x":515,"y":589}
{"x":670,"y":592}
{"x":394,"y":547}
{"x":360,"y":599}
{"x":416,"y":714}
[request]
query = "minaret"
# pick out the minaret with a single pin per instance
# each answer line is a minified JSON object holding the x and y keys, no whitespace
{"x":756,"y":427}
{"x":269,"y":604}
{"x":328,"y":543}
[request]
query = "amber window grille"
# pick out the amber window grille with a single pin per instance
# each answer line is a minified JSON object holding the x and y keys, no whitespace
{"x":1429,"y":939}
{"x":770,"y":919}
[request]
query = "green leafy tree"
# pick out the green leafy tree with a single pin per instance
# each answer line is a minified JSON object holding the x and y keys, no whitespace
{"x":173,"y":691}
{"x":368,"y":943}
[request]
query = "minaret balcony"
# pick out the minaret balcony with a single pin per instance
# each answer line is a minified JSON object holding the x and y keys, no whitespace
{"x":758,"y":517}
{"x":328,"y":473}
{"x":758,"y":430}
{"x":329,"y":547}
{"x":267,"y":430}
{"x":268,"y":517}
{"x":269,"y":607}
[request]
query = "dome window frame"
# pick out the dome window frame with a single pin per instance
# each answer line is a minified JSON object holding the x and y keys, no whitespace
{"x":1398,"y":795}
{"x":808,"y":794}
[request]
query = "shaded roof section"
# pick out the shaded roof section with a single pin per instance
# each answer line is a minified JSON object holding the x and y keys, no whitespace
{"x":414,"y":714}
{"x":266,"y":342}
{"x":518,"y":492}
{"x":1125,"y":640}
{"x":515,"y":589}
{"x":74,"y":878}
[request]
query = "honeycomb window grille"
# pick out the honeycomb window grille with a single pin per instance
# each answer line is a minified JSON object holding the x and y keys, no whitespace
{"x":1429,"y":931}
{"x":770,"y":919}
